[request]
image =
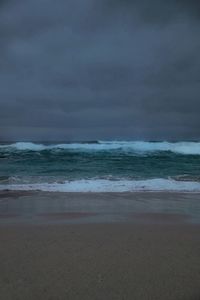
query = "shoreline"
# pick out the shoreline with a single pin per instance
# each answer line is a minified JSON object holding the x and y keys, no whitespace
{"x":10,"y":192}
{"x":46,"y":207}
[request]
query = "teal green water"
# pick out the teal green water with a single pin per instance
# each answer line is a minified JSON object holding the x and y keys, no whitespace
{"x":27,"y":162}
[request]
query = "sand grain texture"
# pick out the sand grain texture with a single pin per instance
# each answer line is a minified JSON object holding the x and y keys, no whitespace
{"x":101,"y":261}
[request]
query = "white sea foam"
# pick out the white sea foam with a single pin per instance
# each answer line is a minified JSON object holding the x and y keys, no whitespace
{"x":187,"y":148}
{"x":103,"y":185}
{"x":28,"y":146}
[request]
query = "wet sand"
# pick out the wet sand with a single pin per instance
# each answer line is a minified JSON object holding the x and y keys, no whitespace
{"x":43,"y":207}
{"x":68,"y":249}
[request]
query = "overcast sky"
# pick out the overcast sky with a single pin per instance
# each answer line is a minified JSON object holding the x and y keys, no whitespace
{"x":99,"y":69}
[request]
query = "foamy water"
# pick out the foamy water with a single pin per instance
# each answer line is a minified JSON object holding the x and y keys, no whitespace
{"x":108,"y":186}
{"x":102,"y":166}
{"x":192,"y":148}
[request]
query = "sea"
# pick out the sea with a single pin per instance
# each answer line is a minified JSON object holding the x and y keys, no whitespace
{"x":100,"y":166}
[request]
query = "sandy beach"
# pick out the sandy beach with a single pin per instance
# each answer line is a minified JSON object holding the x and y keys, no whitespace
{"x":72,"y":249}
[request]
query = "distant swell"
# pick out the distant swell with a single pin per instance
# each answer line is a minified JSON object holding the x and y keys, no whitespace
{"x":186,"y":148}
{"x":100,"y":185}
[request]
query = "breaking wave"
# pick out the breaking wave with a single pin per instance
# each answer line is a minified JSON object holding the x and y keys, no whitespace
{"x":185,"y":148}
{"x":102,"y":185}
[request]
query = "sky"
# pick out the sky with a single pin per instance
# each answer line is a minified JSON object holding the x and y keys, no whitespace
{"x":99,"y":70}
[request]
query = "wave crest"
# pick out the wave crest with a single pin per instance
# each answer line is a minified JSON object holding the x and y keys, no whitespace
{"x":186,"y":148}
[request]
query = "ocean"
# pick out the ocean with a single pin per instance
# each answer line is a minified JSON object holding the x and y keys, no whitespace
{"x":101,"y":166}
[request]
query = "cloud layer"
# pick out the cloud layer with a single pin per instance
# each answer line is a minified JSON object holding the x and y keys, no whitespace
{"x":82,"y":70}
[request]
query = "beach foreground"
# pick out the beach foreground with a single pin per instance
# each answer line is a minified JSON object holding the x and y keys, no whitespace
{"x":75,"y":254}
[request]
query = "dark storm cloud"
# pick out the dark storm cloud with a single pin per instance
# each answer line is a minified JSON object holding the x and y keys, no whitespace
{"x":114,"y":69}
{"x":156,"y":11}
